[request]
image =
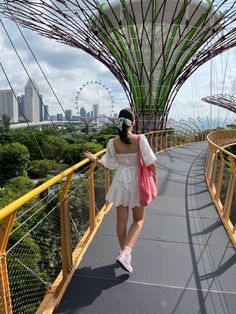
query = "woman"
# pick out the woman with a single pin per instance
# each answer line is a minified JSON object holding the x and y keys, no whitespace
{"x":122,"y":155}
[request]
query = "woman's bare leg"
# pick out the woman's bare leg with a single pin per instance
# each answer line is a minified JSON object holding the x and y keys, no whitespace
{"x":136,"y":226}
{"x":122,"y":216}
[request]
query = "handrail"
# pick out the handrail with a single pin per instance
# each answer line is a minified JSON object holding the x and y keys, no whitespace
{"x":220,"y":173}
{"x":219,"y":142}
{"x":70,"y":248}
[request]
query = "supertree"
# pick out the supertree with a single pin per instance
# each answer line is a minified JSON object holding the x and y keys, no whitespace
{"x":225,"y":101}
{"x":151,"y":46}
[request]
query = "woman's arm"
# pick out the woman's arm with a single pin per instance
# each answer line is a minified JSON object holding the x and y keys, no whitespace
{"x":93,"y":158}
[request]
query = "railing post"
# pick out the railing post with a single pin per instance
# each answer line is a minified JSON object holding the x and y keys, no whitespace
{"x":213,"y":169}
{"x":65,"y":228}
{"x":157,"y":141}
{"x":209,"y":165}
{"x":92,"y":217}
{"x":220,"y":177}
{"x":107,"y":181}
{"x":5,"y":295}
{"x":161,"y":146}
{"x":166,"y":146}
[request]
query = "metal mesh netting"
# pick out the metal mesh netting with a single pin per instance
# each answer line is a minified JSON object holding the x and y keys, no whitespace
{"x":33,"y":255}
{"x":170,"y":138}
{"x":34,"y":250}
{"x":99,"y":189}
{"x":225,"y":182}
{"x":233,"y":208}
{"x":217,"y":170}
{"x":78,"y":199}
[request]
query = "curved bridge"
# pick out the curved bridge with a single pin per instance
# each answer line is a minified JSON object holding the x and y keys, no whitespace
{"x":183,"y":262}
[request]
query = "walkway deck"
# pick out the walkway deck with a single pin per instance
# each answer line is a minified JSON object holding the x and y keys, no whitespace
{"x":183,"y":261}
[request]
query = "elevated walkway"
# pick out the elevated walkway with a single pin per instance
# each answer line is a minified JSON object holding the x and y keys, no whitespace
{"x":183,"y":261}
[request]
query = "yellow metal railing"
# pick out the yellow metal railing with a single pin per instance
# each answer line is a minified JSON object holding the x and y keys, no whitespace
{"x":13,"y":261}
{"x":44,"y":234}
{"x":221,"y":177}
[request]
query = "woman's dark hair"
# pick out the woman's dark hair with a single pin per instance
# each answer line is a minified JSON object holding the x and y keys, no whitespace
{"x":127,"y":114}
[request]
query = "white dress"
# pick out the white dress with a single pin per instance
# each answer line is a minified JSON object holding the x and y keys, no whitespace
{"x":124,"y":188}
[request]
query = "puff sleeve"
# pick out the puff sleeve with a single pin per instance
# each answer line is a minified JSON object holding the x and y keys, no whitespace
{"x":108,"y":159}
{"x":147,"y":153}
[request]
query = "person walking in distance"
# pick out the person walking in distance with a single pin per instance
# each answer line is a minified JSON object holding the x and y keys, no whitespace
{"x":122,"y":155}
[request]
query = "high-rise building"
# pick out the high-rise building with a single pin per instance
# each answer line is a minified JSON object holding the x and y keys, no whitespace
{"x":75,"y":118}
{"x":96,"y":110}
{"x":83,"y":112}
{"x":32,"y":101}
{"x":8,"y":105}
{"x":68,"y":114}
{"x":59,"y":117}
{"x":21,"y":108}
{"x":53,"y":117}
{"x":96,"y":113}
{"x":41,"y":107}
{"x":45,"y":113}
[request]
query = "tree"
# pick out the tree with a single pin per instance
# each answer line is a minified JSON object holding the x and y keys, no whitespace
{"x":6,"y":122}
{"x":53,"y":147}
{"x":20,"y":184}
{"x":14,"y":189}
{"x":44,"y":167}
{"x":231,"y":126}
{"x":75,"y":152}
{"x":33,"y":140}
{"x":14,"y":160}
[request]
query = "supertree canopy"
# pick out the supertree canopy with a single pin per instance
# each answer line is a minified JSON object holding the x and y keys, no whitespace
{"x":225,"y":101}
{"x":151,"y":46}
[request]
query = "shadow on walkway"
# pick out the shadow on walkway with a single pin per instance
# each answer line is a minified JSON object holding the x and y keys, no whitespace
{"x":92,"y":284}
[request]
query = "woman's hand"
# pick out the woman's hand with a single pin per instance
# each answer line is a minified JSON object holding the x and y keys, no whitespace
{"x":90,"y":156}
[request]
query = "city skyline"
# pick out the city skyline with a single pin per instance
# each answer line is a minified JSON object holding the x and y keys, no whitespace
{"x":30,"y":107}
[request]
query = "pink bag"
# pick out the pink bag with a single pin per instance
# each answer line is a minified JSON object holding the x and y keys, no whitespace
{"x":147,"y":184}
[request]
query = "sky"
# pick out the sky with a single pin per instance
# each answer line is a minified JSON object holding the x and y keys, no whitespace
{"x":68,"y":69}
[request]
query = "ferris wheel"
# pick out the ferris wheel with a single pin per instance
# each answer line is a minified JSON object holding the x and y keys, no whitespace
{"x":96,"y":98}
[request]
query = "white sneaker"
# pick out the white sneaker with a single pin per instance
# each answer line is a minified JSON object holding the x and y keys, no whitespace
{"x":124,"y":259}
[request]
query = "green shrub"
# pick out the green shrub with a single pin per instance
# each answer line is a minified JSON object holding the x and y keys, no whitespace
{"x":14,"y":161}
{"x":75,"y":152}
{"x":53,"y":147}
{"x":14,"y":189}
{"x":42,"y":168}
{"x":20,"y":184}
